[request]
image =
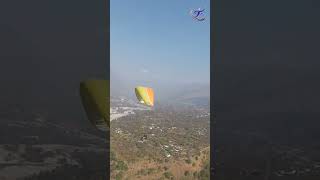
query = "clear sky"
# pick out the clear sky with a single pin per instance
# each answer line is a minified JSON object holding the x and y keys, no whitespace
{"x":156,"y":41}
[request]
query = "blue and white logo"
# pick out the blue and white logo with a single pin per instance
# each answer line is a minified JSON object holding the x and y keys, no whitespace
{"x":198,"y":14}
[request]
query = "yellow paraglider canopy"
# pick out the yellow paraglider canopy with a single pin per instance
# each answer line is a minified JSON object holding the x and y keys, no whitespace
{"x":145,"y":95}
{"x":95,"y":99}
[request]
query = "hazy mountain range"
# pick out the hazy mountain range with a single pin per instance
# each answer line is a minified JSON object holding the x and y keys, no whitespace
{"x":198,"y":93}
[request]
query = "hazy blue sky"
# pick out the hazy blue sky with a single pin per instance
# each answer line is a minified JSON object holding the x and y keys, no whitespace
{"x":157,"y":41}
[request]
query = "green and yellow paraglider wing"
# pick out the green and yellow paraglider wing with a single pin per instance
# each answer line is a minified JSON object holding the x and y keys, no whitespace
{"x":145,"y":95}
{"x":95,"y":99}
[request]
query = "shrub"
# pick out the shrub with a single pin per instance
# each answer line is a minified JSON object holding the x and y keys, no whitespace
{"x":186,"y":173}
{"x":188,"y":161}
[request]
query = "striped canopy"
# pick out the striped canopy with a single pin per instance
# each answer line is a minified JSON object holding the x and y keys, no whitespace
{"x":145,"y":95}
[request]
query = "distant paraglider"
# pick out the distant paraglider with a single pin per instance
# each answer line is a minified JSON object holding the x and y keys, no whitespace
{"x":145,"y":95}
